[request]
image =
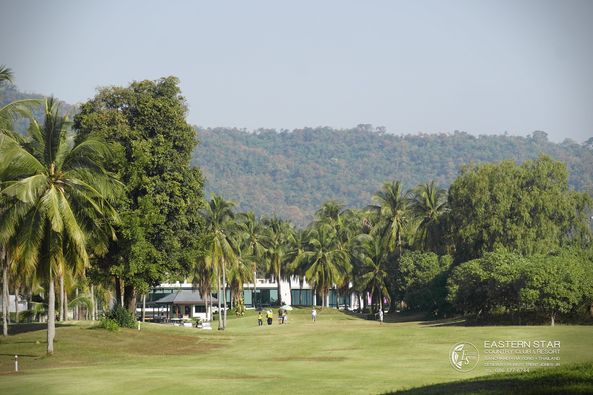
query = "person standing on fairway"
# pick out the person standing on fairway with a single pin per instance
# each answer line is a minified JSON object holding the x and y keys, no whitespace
{"x":314,"y":314}
{"x":260,"y":319}
{"x":381,"y":316}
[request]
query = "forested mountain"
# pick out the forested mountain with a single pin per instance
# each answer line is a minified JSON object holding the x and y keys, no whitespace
{"x":291,"y":173}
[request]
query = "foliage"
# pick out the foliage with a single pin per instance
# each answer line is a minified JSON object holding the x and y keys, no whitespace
{"x":109,"y":324}
{"x":555,"y":284}
{"x":161,"y":232}
{"x":546,"y":284}
{"x":121,"y":316}
{"x":421,"y":280}
{"x":524,"y":208}
{"x":58,"y":198}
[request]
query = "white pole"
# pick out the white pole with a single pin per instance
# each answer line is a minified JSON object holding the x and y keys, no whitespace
{"x":16,"y":363}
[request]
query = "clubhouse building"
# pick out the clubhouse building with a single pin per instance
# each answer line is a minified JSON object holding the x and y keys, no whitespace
{"x":180,"y":300}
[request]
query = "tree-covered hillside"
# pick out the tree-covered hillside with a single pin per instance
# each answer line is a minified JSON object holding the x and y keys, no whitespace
{"x":292,"y":173}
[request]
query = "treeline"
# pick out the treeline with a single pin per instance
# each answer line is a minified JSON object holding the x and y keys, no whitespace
{"x":291,"y":173}
{"x":505,"y":240}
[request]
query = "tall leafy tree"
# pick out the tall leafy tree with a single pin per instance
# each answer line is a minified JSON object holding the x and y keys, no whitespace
{"x":161,"y":232}
{"x":528,"y":209}
{"x":57,"y":195}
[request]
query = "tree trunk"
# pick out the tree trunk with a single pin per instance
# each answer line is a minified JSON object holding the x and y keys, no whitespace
{"x":65,"y":305}
{"x":16,"y":303}
{"x":220,"y":328}
{"x":130,"y":291}
{"x":4,"y":263}
{"x":231,"y":297}
{"x":209,"y":313}
{"x":51,"y":315}
{"x":119,"y":284}
{"x":255,"y":290}
{"x":278,"y":287}
{"x":61,"y":300}
{"x":93,"y":310}
{"x":76,"y":311}
{"x":224,"y":293}
{"x":144,"y":308}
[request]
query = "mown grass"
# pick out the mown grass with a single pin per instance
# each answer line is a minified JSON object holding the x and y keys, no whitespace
{"x":340,"y":353}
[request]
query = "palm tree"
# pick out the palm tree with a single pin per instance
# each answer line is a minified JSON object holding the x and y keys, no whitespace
{"x":202,"y":277}
{"x":8,"y":113}
{"x":57,"y":194}
{"x":219,"y":218}
{"x":277,"y":239}
{"x":428,"y":204}
{"x":251,"y":234}
{"x":370,"y":260}
{"x":328,"y":263}
{"x":391,"y":215}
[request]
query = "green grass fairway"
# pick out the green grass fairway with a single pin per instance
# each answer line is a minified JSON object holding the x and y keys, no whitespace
{"x":340,"y":353}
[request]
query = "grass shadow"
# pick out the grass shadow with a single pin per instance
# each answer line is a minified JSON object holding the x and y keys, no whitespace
{"x":569,"y":379}
{"x":15,"y":329}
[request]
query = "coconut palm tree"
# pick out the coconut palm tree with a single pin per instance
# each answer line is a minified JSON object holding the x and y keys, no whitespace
{"x":56,"y":195}
{"x":328,"y":263}
{"x":8,"y":113}
{"x":252,"y":247}
{"x":428,"y":204}
{"x":202,"y":274}
{"x":392,"y":215}
{"x":370,"y":260}
{"x":277,"y":240}
{"x":219,"y":218}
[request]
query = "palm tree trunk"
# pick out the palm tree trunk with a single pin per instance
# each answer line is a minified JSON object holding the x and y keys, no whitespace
{"x":51,"y":315}
{"x":219,"y":302}
{"x":278,"y":282}
{"x":4,"y":262}
{"x":224,"y":292}
{"x":93,"y":302}
{"x":65,"y":305}
{"x":16,"y":303}
{"x":209,"y":314}
{"x":76,"y":311}
{"x":61,"y":299}
{"x":254,"y":289}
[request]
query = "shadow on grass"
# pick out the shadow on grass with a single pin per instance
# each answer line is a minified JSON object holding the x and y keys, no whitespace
{"x":570,"y":379}
{"x":15,"y":329}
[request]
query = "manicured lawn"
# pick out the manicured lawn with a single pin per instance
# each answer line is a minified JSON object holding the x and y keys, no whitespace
{"x":338,"y":354}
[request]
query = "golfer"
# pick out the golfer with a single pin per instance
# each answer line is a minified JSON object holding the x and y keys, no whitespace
{"x":314,"y":314}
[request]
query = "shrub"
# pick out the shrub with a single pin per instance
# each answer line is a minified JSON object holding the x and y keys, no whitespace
{"x":109,"y":324}
{"x":122,"y":317}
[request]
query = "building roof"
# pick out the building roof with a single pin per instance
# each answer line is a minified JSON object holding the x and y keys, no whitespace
{"x":183,"y":297}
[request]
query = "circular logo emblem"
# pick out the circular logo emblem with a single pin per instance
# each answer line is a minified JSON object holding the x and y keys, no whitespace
{"x":464,"y":357}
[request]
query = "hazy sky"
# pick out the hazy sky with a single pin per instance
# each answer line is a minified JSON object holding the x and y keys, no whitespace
{"x":413,"y":66}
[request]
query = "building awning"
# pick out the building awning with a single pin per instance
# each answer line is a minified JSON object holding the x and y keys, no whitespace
{"x":184,"y":297}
